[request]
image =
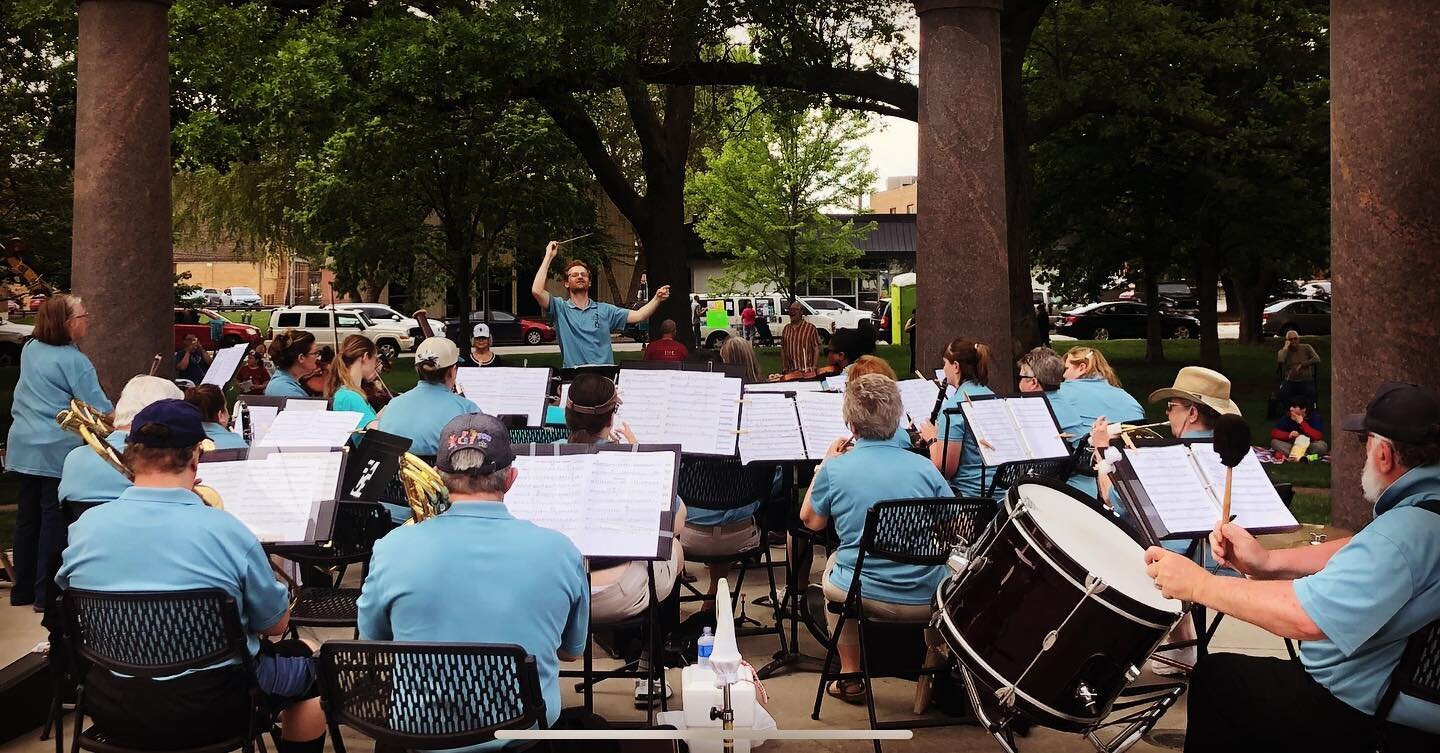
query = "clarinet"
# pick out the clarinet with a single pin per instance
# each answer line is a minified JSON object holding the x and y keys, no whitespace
{"x":939,"y":403}
{"x":247,"y":429}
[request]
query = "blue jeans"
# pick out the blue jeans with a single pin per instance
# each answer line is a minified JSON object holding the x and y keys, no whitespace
{"x":39,"y":537}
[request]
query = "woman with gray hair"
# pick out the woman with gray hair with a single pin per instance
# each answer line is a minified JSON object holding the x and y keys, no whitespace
{"x":857,"y":472}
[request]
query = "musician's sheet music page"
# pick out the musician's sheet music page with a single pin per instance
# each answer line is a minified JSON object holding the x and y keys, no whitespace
{"x":261,"y":416}
{"x":223,"y":366}
{"x":703,"y":409}
{"x":607,"y":503}
{"x":821,"y":421}
{"x":992,"y":425}
{"x":545,"y":491}
{"x":1172,"y":482}
{"x":785,"y":387}
{"x":918,"y":397}
{"x":310,"y":429}
{"x":1253,"y":499}
{"x":507,"y":390}
{"x":1032,"y":415}
{"x":301,"y":405}
{"x":275,"y":496}
{"x":646,"y":407}
{"x":770,"y":429}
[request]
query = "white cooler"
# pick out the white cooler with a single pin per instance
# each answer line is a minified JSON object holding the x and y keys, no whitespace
{"x":698,"y":695}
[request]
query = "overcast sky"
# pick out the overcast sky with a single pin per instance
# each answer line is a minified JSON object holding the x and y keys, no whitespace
{"x":893,"y":143}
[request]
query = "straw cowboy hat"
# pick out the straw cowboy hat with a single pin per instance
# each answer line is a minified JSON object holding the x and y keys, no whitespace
{"x":1200,"y":385}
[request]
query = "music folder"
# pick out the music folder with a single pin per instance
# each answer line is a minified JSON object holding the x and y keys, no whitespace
{"x":286,"y":498}
{"x":1175,"y":487}
{"x":372,"y":465}
{"x":1010,"y":429}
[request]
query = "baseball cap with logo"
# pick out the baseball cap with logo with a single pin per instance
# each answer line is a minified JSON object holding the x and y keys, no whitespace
{"x":167,"y":424}
{"x":1404,"y":412}
{"x":481,"y":330}
{"x":438,"y":352}
{"x":475,"y":432}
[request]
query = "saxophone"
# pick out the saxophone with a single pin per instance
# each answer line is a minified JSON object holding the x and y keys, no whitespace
{"x":93,"y":427}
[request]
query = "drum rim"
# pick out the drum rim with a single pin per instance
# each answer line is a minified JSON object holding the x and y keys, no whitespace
{"x":1034,"y":534}
{"x":952,"y":633}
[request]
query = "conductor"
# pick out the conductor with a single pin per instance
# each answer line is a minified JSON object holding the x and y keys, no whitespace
{"x":583,"y":326}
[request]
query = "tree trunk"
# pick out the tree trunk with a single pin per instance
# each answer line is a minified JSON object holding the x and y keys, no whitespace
{"x":1017,"y":24}
{"x":370,"y":291}
{"x":1250,"y":300}
{"x":670,"y":268}
{"x":1154,"y":344}
{"x":464,"y":283}
{"x":1205,"y":273}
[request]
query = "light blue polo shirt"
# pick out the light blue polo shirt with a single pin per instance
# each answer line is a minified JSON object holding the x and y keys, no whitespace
{"x":223,"y":438}
{"x":844,"y":490}
{"x":88,"y":478}
{"x":968,"y":481}
{"x":477,"y":574}
{"x":284,"y":385}
{"x":584,"y":334}
{"x":348,"y":399}
{"x":50,"y":375}
{"x":1066,"y":417}
{"x":153,"y":539}
{"x":1373,"y":594}
{"x":421,"y":413}
{"x":1088,"y":399}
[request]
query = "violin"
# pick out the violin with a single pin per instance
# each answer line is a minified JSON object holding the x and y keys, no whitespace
{"x":315,"y":382}
{"x":377,"y":393}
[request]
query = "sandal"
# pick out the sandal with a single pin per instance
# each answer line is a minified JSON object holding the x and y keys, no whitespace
{"x":849,"y":691}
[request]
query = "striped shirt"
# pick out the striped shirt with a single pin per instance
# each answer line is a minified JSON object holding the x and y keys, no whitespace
{"x":799,"y":346}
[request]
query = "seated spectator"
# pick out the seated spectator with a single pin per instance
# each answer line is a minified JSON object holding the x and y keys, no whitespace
{"x":666,"y":347}
{"x":1299,"y":421}
{"x":252,"y":377}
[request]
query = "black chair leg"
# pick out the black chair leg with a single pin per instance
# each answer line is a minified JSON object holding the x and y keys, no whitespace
{"x":825,"y":674}
{"x":335,"y":742}
{"x":865,"y":674}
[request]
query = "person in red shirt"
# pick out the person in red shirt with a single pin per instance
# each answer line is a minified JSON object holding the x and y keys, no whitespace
{"x":667,"y":348}
{"x":1299,"y":420}
{"x":747,"y":321}
{"x":251,"y":378}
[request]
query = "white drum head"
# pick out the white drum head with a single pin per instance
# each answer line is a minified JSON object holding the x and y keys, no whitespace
{"x":1095,"y":544}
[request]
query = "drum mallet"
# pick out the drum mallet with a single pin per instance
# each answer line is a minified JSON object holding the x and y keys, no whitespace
{"x":1232,"y":444}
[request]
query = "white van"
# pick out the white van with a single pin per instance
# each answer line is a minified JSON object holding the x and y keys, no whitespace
{"x":827,"y":314}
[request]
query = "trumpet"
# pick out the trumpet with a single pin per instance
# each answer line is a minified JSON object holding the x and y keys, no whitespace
{"x":93,"y":427}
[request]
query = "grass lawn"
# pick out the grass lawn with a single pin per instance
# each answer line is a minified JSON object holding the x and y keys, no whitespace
{"x":259,"y":318}
{"x":1251,"y":370}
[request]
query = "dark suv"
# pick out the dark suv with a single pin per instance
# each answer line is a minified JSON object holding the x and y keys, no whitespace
{"x":880,"y":317}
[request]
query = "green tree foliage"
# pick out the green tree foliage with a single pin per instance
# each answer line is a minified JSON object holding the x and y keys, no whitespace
{"x":763,"y":196}
{"x":37,"y":131}
{"x":1182,"y":139}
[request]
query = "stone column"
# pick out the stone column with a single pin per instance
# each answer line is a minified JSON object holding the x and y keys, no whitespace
{"x":961,"y":261}
{"x":121,"y":260}
{"x":1385,"y":220}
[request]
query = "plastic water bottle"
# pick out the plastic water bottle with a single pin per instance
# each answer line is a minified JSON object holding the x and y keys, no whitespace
{"x":703,"y":646}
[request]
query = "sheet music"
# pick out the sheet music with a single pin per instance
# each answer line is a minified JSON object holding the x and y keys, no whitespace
{"x":223,"y":366}
{"x":507,"y":390}
{"x":836,"y":383}
{"x":918,"y":397}
{"x":608,"y":503}
{"x":310,"y":429}
{"x":770,"y":429}
{"x":785,"y":387}
{"x":821,"y":420}
{"x":1037,"y":425}
{"x":275,"y":496}
{"x":993,"y":425}
{"x":1253,"y":499}
{"x":698,"y":410}
{"x":1171,"y":481}
{"x":261,"y":416}
{"x":302,"y":405}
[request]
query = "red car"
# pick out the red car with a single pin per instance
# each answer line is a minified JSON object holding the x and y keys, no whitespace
{"x":197,"y":322}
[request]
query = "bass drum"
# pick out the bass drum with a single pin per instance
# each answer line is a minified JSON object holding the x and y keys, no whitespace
{"x":1051,"y":611}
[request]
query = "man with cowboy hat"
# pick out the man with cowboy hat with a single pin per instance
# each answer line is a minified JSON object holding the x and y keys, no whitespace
{"x":1354,"y":602}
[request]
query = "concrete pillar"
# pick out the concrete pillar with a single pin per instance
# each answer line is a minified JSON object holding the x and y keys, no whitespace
{"x":961,"y":261}
{"x":1385,"y":221}
{"x":121,"y":260}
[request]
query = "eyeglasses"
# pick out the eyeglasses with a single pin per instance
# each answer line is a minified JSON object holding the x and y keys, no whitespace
{"x":1172,"y":406}
{"x":79,"y":316}
{"x":577,"y":274}
{"x":1027,"y":376}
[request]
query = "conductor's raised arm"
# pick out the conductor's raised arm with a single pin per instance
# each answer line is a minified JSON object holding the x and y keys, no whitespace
{"x":537,"y":287}
{"x":648,"y":310}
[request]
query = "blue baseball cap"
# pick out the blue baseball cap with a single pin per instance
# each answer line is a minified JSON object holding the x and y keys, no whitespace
{"x":167,"y":424}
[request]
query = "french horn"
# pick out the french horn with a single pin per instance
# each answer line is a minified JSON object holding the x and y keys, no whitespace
{"x":93,"y":427}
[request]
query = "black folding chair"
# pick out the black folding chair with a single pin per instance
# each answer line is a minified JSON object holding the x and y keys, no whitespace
{"x":538,"y":435}
{"x":358,"y":525}
{"x":428,"y":696}
{"x":919,"y":532}
{"x":723,"y":484}
{"x":149,"y":635}
{"x":1417,"y":675}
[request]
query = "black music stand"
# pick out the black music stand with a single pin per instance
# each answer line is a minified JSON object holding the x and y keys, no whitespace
{"x":372,"y":466}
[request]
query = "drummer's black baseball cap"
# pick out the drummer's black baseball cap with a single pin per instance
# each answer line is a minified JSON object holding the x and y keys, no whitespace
{"x":1404,"y":412}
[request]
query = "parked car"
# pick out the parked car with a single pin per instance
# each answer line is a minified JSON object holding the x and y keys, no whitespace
{"x":1180,"y":294}
{"x":1319,"y":289}
{"x":331,"y":327}
{"x":197,"y":322}
{"x":505,"y":329}
{"x":243,"y":297}
{"x":194,"y":298}
{"x":1122,"y":319}
{"x":12,"y":339}
{"x":1302,"y":315}
{"x":880,"y":318}
{"x":841,"y":313}
{"x":36,"y":301}
{"x":213,"y":297}
{"x":827,"y":314}
{"x":382,"y":314}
